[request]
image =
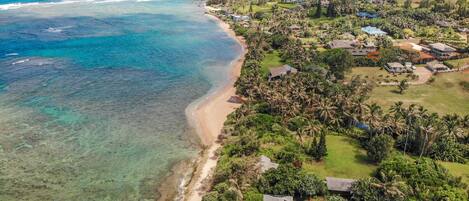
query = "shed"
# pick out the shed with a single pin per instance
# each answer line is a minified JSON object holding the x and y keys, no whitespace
{"x":277,"y":198}
{"x":339,"y":185}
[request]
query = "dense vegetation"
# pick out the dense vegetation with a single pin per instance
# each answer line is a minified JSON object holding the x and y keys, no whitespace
{"x":288,"y":119}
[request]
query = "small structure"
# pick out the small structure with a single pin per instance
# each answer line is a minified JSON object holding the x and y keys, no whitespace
{"x":277,"y":198}
{"x":442,"y":51}
{"x":395,"y":67}
{"x":409,"y":66}
{"x":281,"y":71}
{"x":344,"y":44}
{"x":266,"y":164}
{"x":240,"y":18}
{"x":436,"y":66}
{"x":339,"y":185}
{"x":292,"y":1}
{"x":368,"y":15}
{"x":355,"y":48}
{"x":374,"y":31}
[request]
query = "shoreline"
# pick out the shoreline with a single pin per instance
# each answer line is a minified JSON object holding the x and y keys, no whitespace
{"x":207,"y":117}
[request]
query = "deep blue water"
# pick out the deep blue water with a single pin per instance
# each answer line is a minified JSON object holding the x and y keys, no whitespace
{"x":92,"y":95}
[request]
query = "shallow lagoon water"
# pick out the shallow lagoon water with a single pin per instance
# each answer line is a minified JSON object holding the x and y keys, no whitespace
{"x":92,"y":95}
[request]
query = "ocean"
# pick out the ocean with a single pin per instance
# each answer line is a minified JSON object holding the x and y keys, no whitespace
{"x":93,"y":94}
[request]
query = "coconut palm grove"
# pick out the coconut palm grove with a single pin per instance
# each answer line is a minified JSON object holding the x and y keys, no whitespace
{"x":364,"y":100}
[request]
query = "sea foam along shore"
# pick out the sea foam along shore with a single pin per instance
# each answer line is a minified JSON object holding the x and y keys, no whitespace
{"x":207,"y":118}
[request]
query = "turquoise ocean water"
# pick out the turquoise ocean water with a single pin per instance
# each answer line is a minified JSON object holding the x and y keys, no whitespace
{"x":93,"y":93}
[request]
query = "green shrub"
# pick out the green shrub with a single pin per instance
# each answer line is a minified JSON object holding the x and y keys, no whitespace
{"x":379,"y":147}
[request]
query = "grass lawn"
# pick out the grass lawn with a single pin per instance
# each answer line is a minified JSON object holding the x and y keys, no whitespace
{"x":377,"y":74}
{"x":444,"y":96}
{"x":345,"y":159}
{"x":458,"y":169}
{"x":271,"y":60}
{"x":459,"y":62}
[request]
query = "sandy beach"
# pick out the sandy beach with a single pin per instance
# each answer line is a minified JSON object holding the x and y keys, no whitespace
{"x":207,"y":118}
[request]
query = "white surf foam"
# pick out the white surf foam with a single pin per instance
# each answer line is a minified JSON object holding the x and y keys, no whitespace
{"x":12,"y":6}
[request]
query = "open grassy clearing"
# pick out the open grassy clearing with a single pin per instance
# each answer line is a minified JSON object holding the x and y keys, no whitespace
{"x":345,"y":159}
{"x":271,"y":60}
{"x":444,"y":96}
{"x":377,"y":74}
{"x":458,"y":169}
{"x":457,"y":63}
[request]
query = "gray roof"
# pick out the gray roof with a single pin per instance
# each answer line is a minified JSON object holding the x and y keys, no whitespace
{"x":283,"y":70}
{"x":266,"y":164}
{"x":345,"y":44}
{"x":436,"y":65}
{"x":339,"y":184}
{"x":276,"y":198}
{"x":442,"y":47}
{"x":395,"y":65}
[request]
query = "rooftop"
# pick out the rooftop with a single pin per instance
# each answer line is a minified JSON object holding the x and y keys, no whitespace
{"x":266,"y":164}
{"x":373,"y":31}
{"x":345,"y":44}
{"x":283,"y":70}
{"x":339,"y":184}
{"x":395,"y":65}
{"x":442,"y":47}
{"x":275,"y":198}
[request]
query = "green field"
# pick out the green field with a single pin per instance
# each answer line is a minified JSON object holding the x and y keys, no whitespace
{"x":345,"y":159}
{"x":377,"y":74}
{"x":458,"y":169}
{"x":444,"y":96}
{"x":271,"y":60}
{"x":457,"y":63}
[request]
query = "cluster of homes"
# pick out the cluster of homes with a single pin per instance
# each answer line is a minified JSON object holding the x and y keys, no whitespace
{"x":334,"y":185}
{"x":431,"y":54}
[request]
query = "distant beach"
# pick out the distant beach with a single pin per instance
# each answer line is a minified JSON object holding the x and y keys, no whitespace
{"x":207,"y":117}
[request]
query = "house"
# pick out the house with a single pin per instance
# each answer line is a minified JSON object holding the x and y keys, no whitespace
{"x":344,"y":44}
{"x":395,"y":67}
{"x":276,"y":198}
{"x":355,"y":48}
{"x":436,"y":66}
{"x":266,"y":164}
{"x":442,"y":51}
{"x":281,"y":71}
{"x":367,"y":15}
{"x":421,"y":52}
{"x":294,"y":28}
{"x":240,"y":18}
{"x":373,"y":31}
{"x":339,"y":185}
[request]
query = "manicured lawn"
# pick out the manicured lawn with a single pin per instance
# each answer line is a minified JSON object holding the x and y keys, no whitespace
{"x":459,"y":62}
{"x":458,"y":169}
{"x":377,"y":75}
{"x":345,"y":159}
{"x":444,"y":96}
{"x":271,"y":60}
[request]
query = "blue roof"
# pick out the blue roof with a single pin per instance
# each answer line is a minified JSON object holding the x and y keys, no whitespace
{"x":367,"y":14}
{"x":373,"y":31}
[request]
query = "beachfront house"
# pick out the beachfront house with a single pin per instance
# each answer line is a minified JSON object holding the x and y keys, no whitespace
{"x":436,"y":66}
{"x":442,"y":51}
{"x":352,"y":46}
{"x":266,"y":164}
{"x":279,"y":72}
{"x":395,"y":67}
{"x":373,"y":31}
{"x":240,"y":18}
{"x":339,"y":185}
{"x":276,"y":198}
